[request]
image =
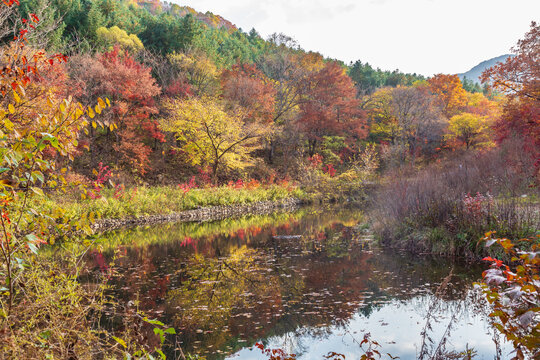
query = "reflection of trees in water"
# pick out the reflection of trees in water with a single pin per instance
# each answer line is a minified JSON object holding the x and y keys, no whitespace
{"x":235,"y":285}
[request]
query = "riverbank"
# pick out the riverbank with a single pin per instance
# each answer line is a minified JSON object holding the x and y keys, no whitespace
{"x":213,"y":213}
{"x":140,"y":205}
{"x":447,"y":210}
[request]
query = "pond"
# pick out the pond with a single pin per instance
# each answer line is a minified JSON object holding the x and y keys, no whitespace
{"x":309,"y":282}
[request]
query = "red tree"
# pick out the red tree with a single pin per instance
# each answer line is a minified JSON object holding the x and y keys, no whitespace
{"x":131,"y":89}
{"x":245,"y":86}
{"x":519,"y":78}
{"x":329,"y":107}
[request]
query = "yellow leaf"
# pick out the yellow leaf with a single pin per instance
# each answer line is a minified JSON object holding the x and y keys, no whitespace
{"x":91,"y":113}
{"x":108,"y":102}
{"x":11,"y":108}
{"x":16,"y":97}
{"x":94,"y":125}
{"x":8,"y":124}
{"x":101,"y":103}
{"x":98,"y":109}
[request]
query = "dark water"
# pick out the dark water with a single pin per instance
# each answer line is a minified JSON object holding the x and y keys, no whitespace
{"x":309,"y":282}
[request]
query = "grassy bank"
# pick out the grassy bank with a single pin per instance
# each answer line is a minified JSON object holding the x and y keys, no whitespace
{"x":141,"y":201}
{"x":447,"y":209}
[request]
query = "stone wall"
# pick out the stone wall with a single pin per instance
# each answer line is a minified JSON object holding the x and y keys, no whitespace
{"x":202,"y":214}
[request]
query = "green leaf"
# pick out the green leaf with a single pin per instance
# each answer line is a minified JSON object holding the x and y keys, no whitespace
{"x":33,"y":248}
{"x":153,"y":322}
{"x":170,"y":331}
{"x":45,"y":334}
{"x":161,"y":353}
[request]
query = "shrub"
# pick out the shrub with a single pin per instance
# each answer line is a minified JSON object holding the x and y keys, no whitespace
{"x":439,"y":197}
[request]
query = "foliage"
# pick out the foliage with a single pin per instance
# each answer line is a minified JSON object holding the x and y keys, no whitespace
{"x":201,"y":73}
{"x":367,"y":79}
{"x":450,"y":93}
{"x":209,"y":135}
{"x":246,"y":87}
{"x":158,"y":200}
{"x":434,"y":210}
{"x":518,"y":78}
{"x":38,"y":128}
{"x":514,"y":293}
{"x":469,"y":129}
{"x":329,"y":107}
{"x":109,"y":37}
{"x":131,"y":89}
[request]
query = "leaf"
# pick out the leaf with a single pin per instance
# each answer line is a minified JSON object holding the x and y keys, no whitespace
{"x":33,"y":248}
{"x":170,"y":331}
{"x":11,"y":108}
{"x":153,"y":322}
{"x":37,"y":191}
{"x":101,"y":103}
{"x":160,"y":353}
{"x":16,"y":97}
{"x":45,"y":334}
{"x":120,"y":341}
{"x":91,"y":113}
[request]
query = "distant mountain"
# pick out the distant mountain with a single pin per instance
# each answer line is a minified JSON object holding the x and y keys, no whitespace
{"x":475,"y":72}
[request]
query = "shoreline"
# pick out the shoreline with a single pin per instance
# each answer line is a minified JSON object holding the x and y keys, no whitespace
{"x":202,"y":214}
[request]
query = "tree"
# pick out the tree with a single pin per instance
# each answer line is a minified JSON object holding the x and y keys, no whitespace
{"x":131,"y":88}
{"x":247,"y":87}
{"x":166,"y":34}
{"x":383,"y":125}
{"x":283,"y":66}
{"x":209,"y":135}
{"x":114,"y":36}
{"x":518,"y":75}
{"x":518,"y":78}
{"x":35,"y":121}
{"x":329,"y":107}
{"x":469,"y":129}
{"x":200,"y":72}
{"x":450,"y":93}
{"x":418,"y":119}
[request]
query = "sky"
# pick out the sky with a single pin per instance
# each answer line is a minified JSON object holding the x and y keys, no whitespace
{"x":422,"y":36}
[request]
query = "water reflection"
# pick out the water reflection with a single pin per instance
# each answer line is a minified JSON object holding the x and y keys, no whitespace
{"x":226,"y":285}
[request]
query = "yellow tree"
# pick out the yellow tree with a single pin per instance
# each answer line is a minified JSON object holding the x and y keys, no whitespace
{"x":200,"y":71}
{"x":469,"y":129}
{"x":211,"y":136}
{"x":109,"y":37}
{"x":383,"y":123}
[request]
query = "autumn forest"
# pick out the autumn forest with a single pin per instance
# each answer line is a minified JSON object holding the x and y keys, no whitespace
{"x":161,"y":166}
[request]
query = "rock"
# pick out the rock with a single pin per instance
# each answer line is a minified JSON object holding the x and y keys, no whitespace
{"x":200,"y":214}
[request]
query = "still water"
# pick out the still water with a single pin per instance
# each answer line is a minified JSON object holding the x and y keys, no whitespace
{"x":309,"y":282}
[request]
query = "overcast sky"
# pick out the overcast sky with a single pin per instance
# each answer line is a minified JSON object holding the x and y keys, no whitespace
{"x":422,"y":36}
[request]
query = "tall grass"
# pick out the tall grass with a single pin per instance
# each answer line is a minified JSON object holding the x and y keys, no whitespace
{"x":446,"y":208}
{"x":142,"y":201}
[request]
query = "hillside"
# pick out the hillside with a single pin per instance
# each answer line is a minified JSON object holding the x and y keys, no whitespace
{"x":475,"y":72}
